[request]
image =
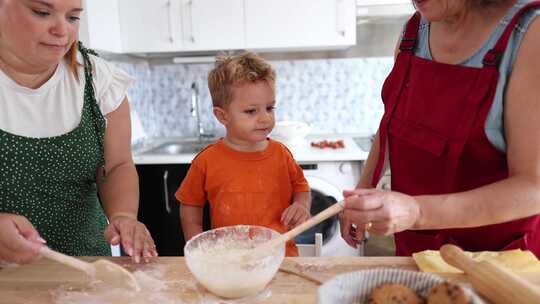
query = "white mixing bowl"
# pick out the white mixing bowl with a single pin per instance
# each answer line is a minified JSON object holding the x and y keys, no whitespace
{"x":215,"y":258}
{"x":291,"y":131}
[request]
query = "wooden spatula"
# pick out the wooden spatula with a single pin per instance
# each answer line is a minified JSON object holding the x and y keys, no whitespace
{"x":273,"y":243}
{"x":496,"y":282}
{"x":108,"y":272}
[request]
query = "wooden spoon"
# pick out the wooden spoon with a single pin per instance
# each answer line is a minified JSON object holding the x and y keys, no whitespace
{"x":264,"y":248}
{"x":496,"y":282}
{"x":105,"y":271}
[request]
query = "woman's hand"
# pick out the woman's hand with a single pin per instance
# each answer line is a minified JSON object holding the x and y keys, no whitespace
{"x":295,"y":215}
{"x":381,"y":212}
{"x":19,"y":240}
{"x":133,"y":235}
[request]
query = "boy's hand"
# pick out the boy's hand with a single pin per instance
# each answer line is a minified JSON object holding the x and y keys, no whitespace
{"x":295,"y":215}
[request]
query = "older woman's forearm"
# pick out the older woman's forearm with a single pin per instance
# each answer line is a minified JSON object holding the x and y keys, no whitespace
{"x":506,"y":200}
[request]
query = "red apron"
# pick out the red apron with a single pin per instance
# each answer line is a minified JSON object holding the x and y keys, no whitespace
{"x":434,"y":123}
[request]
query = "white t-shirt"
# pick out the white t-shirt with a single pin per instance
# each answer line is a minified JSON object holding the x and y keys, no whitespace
{"x":55,"y":108}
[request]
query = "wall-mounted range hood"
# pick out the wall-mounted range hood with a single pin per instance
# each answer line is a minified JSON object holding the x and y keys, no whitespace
{"x":374,"y":9}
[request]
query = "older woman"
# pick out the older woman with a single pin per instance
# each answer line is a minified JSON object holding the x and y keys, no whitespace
{"x":64,"y":134}
{"x":460,"y":132}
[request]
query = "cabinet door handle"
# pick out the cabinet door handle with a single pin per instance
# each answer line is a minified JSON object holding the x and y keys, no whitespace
{"x":166,"y":190}
{"x":169,"y":21}
{"x":191,"y":36}
{"x":341,"y":11}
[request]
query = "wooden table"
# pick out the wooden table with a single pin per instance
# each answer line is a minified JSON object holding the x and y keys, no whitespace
{"x":40,"y":281}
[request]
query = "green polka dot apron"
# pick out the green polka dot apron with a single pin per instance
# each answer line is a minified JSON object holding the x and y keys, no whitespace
{"x":52,"y":181}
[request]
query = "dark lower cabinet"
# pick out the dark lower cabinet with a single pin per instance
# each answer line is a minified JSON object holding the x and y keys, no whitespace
{"x":158,"y":207}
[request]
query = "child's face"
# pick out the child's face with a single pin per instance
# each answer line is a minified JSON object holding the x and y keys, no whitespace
{"x":249,"y":117}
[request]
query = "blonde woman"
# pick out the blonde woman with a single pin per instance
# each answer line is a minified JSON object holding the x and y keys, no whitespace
{"x":64,"y":138}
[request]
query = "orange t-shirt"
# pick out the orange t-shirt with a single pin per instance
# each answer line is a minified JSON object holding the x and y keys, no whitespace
{"x":244,"y":188}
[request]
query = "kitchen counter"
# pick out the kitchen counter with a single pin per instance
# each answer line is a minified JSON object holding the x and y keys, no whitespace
{"x":38,"y":282}
{"x":302,"y":152}
{"x":42,"y":280}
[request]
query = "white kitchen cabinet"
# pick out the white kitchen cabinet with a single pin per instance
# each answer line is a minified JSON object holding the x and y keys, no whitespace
{"x":100,"y":29}
{"x":175,"y":26}
{"x":212,"y":25}
{"x":171,"y":25}
{"x":150,"y":26}
{"x":300,"y":24}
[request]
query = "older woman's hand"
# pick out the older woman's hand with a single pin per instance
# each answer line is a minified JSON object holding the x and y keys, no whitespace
{"x":19,"y":240}
{"x":133,"y":235}
{"x":382,"y":212}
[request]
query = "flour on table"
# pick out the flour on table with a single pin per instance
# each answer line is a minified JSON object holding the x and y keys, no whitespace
{"x":151,"y":280}
{"x":258,"y":298}
{"x":315,"y":267}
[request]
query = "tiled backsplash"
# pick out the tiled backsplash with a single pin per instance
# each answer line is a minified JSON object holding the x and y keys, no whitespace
{"x":332,"y":95}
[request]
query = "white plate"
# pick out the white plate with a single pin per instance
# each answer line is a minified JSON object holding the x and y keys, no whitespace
{"x":356,"y":287}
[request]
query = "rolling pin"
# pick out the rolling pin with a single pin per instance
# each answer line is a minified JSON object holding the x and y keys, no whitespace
{"x":493,"y":281}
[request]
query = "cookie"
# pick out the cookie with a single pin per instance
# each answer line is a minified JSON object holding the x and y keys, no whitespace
{"x":447,"y":293}
{"x":391,"y":293}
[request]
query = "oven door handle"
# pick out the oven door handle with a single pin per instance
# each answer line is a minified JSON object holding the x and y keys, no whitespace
{"x":166,"y":191}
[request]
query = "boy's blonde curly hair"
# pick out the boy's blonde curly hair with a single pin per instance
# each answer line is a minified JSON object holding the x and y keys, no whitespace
{"x":231,"y":70}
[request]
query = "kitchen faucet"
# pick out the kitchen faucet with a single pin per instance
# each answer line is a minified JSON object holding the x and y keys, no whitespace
{"x":196,"y":111}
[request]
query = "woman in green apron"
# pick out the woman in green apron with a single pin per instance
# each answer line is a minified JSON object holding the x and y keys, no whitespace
{"x":64,"y":138}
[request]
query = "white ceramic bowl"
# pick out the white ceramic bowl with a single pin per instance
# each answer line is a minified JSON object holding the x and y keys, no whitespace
{"x":215,"y":259}
{"x":291,"y":131}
